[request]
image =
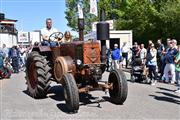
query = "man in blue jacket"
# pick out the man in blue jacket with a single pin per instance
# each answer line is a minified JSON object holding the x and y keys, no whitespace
{"x":14,"y":55}
{"x":170,"y":65}
{"x":116,"y":56}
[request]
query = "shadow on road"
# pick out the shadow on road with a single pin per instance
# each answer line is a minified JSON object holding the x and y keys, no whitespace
{"x":27,"y":93}
{"x":168,"y":94}
{"x":161,"y":88}
{"x":56,"y":93}
{"x":167,"y":98}
{"x":85,"y":100}
{"x":63,"y":107}
{"x":90,"y":101}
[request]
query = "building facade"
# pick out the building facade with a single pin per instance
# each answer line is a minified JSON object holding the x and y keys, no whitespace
{"x":8,"y":31}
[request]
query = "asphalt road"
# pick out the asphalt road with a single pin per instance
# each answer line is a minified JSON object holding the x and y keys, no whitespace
{"x":143,"y":102}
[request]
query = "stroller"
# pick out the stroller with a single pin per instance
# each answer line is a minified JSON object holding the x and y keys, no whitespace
{"x":5,"y":71}
{"x":139,"y":72}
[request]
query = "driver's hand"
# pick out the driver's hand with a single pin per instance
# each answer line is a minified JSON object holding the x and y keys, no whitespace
{"x":59,"y":39}
{"x":56,"y":38}
{"x":45,"y":37}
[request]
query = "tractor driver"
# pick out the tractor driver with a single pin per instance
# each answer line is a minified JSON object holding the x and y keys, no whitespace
{"x":46,"y":32}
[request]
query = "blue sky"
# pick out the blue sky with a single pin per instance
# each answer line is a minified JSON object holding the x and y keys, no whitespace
{"x":31,"y":14}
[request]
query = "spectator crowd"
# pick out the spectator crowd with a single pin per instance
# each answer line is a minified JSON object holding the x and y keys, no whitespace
{"x":162,"y":62}
{"x":15,"y":56}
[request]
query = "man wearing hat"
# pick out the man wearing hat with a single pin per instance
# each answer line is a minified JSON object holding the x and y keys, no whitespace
{"x":116,"y":56}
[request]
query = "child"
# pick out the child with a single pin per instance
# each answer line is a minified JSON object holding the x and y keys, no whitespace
{"x":177,"y":66}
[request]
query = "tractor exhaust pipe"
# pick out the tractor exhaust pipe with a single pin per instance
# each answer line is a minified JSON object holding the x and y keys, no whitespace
{"x":81,"y":28}
{"x":103,"y":34}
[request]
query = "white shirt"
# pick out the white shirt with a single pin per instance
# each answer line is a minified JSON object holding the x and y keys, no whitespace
{"x":48,"y":32}
{"x":152,"y":55}
{"x":125,"y":49}
{"x":64,"y":40}
{"x":143,"y":53}
{"x":22,"y":52}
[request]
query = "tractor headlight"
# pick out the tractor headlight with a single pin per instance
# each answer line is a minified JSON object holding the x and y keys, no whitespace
{"x":78,"y":62}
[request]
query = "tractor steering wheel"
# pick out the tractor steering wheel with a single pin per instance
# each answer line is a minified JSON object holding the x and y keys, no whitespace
{"x":56,"y":36}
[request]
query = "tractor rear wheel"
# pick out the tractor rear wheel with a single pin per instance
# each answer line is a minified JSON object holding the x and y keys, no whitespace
{"x":38,"y":75}
{"x":118,"y":93}
{"x":71,"y":93}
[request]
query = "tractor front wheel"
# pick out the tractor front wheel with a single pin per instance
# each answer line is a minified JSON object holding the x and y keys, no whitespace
{"x":118,"y":93}
{"x":71,"y":93}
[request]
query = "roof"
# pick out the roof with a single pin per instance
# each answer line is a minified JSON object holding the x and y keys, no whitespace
{"x":11,"y":20}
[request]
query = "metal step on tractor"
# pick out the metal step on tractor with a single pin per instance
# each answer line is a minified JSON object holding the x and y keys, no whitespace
{"x":78,"y":67}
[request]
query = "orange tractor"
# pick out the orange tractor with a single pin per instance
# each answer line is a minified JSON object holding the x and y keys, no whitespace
{"x":77,"y":67}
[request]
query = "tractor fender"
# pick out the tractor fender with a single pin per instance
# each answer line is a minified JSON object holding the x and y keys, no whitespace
{"x":63,"y":65}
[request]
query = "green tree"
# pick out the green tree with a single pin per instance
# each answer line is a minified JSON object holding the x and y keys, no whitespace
{"x":72,"y":14}
{"x":149,"y":19}
{"x":170,"y":19}
{"x":136,"y":15}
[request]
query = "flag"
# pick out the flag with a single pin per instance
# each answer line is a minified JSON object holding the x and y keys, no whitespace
{"x":80,"y":11}
{"x":93,"y":7}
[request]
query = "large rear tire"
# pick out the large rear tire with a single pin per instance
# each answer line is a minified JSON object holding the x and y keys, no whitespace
{"x":71,"y":93}
{"x":38,"y":75}
{"x":118,"y":93}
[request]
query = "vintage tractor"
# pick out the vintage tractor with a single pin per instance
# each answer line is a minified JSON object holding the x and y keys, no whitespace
{"x":77,"y":67}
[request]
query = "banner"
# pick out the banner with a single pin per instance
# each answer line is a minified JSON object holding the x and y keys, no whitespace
{"x":35,"y":37}
{"x":93,"y":7}
{"x":80,"y":11}
{"x":23,"y":37}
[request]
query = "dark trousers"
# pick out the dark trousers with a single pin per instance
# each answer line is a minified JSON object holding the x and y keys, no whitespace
{"x":152,"y":71}
{"x":162,"y":67}
{"x":49,"y":43}
{"x":159,"y":61}
{"x":125,"y":55}
{"x":15,"y":64}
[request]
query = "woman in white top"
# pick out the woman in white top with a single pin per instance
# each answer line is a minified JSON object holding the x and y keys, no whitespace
{"x":125,"y":49}
{"x":143,"y":53}
{"x":67,"y":37}
{"x":152,"y":63}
